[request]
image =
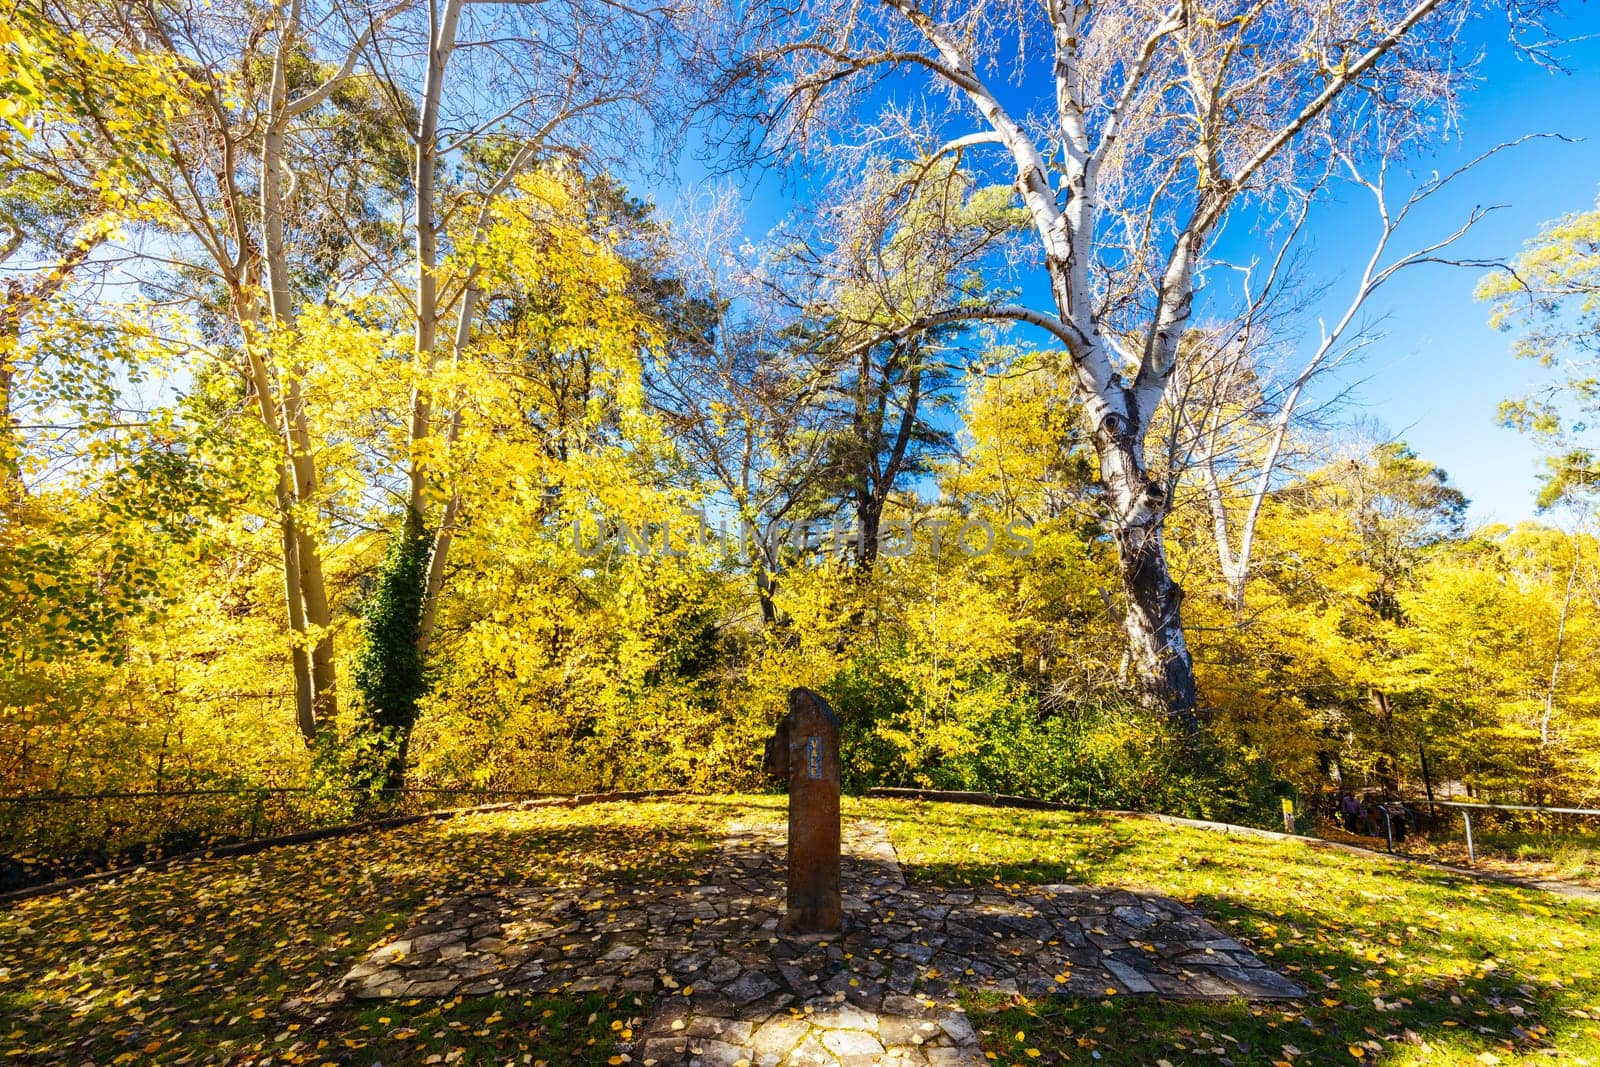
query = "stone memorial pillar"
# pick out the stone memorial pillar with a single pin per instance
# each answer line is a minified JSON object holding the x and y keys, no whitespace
{"x":805,"y":751}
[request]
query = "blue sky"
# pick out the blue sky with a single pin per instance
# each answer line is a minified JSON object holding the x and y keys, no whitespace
{"x":1440,"y":372}
{"x":1438,"y":376}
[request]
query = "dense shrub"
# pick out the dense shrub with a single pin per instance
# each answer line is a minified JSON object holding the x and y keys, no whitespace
{"x":993,"y":738}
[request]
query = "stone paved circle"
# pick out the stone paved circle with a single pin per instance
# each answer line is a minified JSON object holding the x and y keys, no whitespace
{"x":730,"y":989}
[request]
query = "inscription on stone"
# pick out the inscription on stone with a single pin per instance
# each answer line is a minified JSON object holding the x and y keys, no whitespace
{"x":804,"y":751}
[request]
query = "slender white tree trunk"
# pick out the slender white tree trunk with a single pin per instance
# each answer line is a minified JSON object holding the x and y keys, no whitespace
{"x":442,"y":26}
{"x":289,"y":540}
{"x":1555,"y":664}
{"x":294,"y":430}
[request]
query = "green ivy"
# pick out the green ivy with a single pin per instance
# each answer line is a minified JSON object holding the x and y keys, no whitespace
{"x":389,"y":670}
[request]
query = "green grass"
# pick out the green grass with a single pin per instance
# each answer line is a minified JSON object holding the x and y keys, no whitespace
{"x":550,"y":1030}
{"x":1406,"y":964}
{"x":220,"y":960}
{"x":196,"y":963}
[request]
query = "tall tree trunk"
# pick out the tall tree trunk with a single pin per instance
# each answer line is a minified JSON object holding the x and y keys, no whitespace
{"x":1154,"y":623}
{"x":444,"y":536}
{"x":1118,"y":415}
{"x":295,"y":429}
{"x":11,"y":488}
{"x":766,"y":593}
{"x":305,"y":685}
{"x":869,"y":521}
{"x":305,"y":688}
{"x":1388,"y":759}
{"x":1138,"y":506}
{"x":399,"y":615}
{"x":1153,"y":617}
{"x":873,"y":484}
{"x":424,"y":167}
{"x":1555,"y":665}
{"x":313,"y":590}
{"x":434,"y":583}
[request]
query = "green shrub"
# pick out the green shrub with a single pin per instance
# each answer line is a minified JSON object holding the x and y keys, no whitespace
{"x":986,"y":735}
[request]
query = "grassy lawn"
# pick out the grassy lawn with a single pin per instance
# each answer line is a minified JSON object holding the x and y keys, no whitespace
{"x":196,"y":964}
{"x":1406,"y":964}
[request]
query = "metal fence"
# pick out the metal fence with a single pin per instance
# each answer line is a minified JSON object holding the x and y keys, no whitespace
{"x":1467,"y":810}
{"x":45,"y":836}
{"x":1387,"y":810}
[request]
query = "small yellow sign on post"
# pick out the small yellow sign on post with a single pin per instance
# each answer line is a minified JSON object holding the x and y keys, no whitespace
{"x":1288,"y":815}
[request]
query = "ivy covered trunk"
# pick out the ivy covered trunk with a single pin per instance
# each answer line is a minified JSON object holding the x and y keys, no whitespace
{"x":390,"y":671}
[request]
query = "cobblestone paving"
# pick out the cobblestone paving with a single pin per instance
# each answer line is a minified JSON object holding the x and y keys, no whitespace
{"x":731,"y":989}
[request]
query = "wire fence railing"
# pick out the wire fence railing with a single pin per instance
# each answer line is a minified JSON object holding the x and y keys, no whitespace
{"x":48,"y":798}
{"x":1510,"y":826}
{"x":47,"y":836}
{"x":54,"y":835}
{"x":1484,"y":810}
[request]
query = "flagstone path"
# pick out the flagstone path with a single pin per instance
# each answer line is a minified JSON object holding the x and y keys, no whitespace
{"x":730,"y":989}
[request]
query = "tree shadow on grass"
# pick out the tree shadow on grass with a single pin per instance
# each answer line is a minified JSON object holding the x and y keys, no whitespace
{"x":199,"y":959}
{"x":1404,"y":964}
{"x":713,"y":948}
{"x":1383,"y":1019}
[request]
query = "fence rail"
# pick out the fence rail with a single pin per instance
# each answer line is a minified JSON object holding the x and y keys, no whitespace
{"x":1467,"y":808}
{"x":1508,"y":807}
{"x":51,"y":835}
{"x":253,"y":790}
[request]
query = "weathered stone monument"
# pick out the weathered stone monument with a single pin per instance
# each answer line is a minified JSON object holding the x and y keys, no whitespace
{"x":805,"y":751}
